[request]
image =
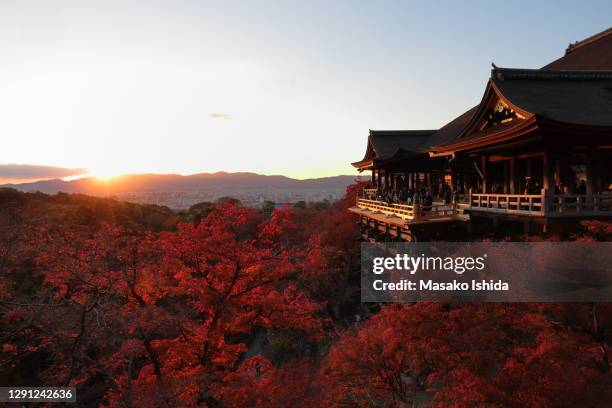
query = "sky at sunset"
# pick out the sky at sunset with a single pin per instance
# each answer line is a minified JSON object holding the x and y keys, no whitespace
{"x":273,"y":87}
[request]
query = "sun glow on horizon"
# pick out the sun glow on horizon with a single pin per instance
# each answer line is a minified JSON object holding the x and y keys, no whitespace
{"x":104,"y":175}
{"x":112,"y":172}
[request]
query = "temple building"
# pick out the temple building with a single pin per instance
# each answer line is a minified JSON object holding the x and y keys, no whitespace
{"x":536,"y":150}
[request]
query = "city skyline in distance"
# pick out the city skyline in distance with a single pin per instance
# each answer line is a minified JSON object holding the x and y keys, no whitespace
{"x":179,"y":192}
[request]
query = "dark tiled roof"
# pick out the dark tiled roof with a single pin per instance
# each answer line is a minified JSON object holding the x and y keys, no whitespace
{"x":594,"y":52}
{"x":575,"y":97}
{"x":451,"y":130}
{"x":386,"y":143}
{"x":576,"y":89}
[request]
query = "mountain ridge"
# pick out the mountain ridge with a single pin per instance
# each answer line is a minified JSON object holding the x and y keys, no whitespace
{"x":154,"y":182}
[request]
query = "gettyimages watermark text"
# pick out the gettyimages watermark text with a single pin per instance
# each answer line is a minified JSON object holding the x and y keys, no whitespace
{"x":489,"y":272}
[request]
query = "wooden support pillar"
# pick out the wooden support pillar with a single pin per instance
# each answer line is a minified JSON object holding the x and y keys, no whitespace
{"x":373,"y":178}
{"x":513,"y":179}
{"x":529,"y":167}
{"x":565,"y":170}
{"x":483,"y":165}
{"x":598,"y":174}
{"x":379,"y":179}
{"x":506,"y":175}
{"x":527,"y":226}
{"x":528,"y":172}
{"x":558,"y":179}
{"x":547,"y":171}
{"x":590,"y":171}
{"x":465,"y":176}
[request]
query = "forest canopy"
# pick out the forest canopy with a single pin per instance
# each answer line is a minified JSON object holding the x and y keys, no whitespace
{"x":137,"y":306}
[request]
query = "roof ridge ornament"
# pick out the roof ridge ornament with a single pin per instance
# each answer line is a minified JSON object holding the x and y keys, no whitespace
{"x":595,"y":37}
{"x":496,"y":72}
{"x":524,"y":73}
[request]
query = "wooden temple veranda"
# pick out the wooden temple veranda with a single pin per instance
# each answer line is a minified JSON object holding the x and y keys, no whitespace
{"x":536,"y":150}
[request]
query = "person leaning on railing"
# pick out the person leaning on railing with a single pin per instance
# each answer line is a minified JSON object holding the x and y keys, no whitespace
{"x":378,"y":194}
{"x":410,"y":196}
{"x":427,"y":201}
{"x":456,"y":195}
{"x":389,"y":196}
{"x":446,"y":193}
{"x":395,"y":197}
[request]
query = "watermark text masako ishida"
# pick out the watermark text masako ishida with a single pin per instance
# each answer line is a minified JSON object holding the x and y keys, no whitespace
{"x":486,"y":271}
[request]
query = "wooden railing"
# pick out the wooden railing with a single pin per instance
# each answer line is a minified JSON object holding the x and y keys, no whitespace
{"x":539,"y":205}
{"x":531,"y":204}
{"x":403,"y":211}
{"x":369,"y":192}
{"x":462,"y":198}
{"x":579,"y":204}
{"x":415,"y":212}
{"x":544,"y":204}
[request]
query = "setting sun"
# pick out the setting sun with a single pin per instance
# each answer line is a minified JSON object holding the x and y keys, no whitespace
{"x":104,"y":175}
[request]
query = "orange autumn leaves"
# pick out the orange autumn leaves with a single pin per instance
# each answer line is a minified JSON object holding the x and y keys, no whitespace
{"x":245,"y":310}
{"x":166,"y":316}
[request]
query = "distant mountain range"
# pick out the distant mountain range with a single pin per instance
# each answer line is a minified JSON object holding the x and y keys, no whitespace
{"x":204,"y":186}
{"x":141,"y":183}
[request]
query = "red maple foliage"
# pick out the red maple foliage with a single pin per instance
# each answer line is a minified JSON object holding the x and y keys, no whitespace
{"x":240,"y":309}
{"x":160,"y":318}
{"x":469,"y":355}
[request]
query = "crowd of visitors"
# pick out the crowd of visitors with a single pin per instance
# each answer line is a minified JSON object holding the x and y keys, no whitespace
{"x":419,"y":195}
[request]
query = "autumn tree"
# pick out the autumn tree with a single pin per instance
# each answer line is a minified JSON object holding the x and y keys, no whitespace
{"x":467,"y":355}
{"x":158,"y":318}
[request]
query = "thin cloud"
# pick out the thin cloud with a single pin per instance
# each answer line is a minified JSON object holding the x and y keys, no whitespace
{"x":221,"y":116}
{"x":32,"y":172}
